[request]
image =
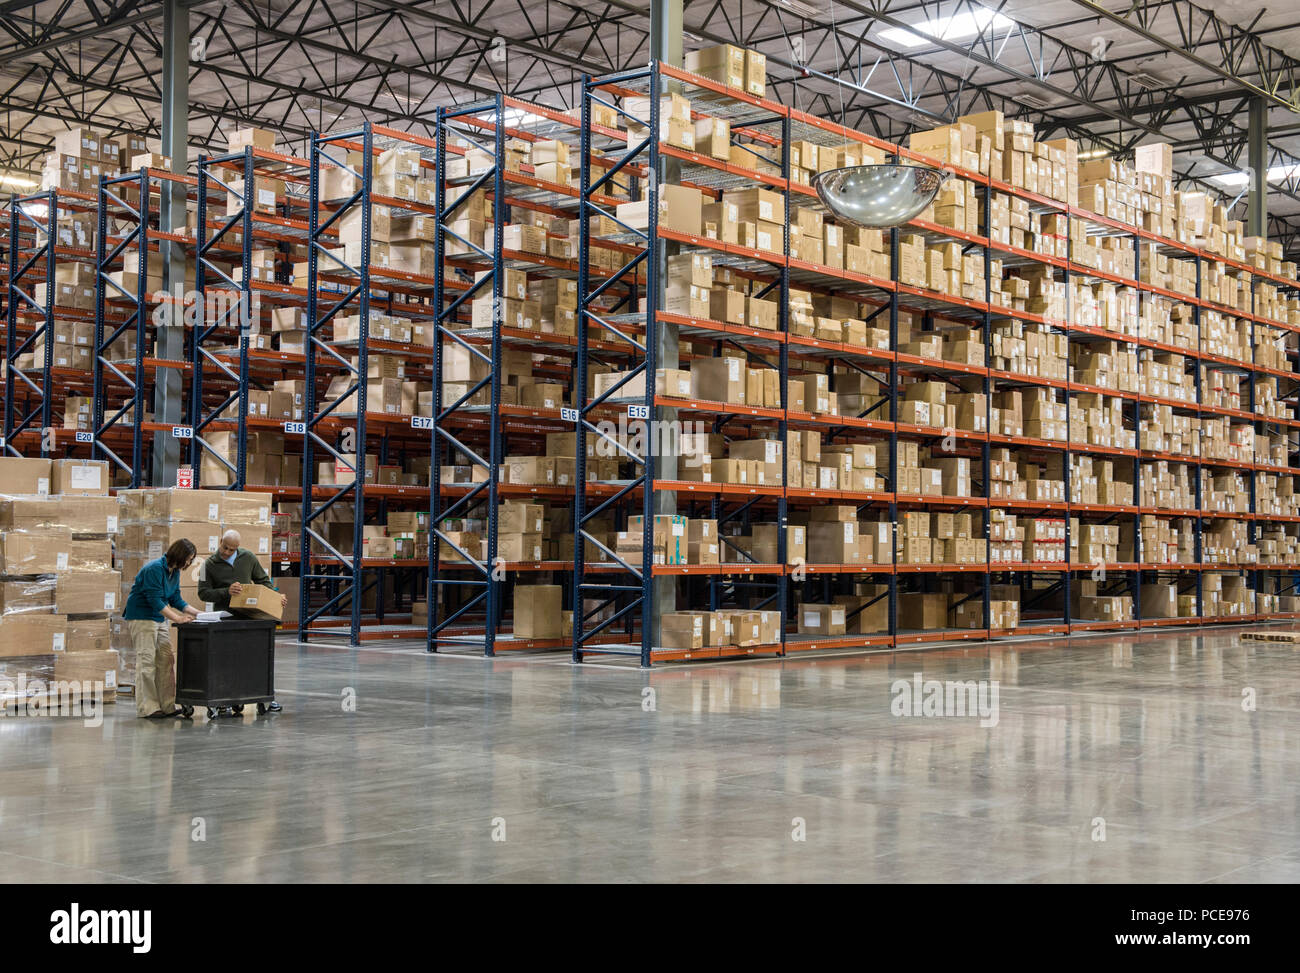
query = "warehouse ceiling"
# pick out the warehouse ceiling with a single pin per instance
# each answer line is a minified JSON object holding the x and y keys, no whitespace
{"x":1113,"y":73}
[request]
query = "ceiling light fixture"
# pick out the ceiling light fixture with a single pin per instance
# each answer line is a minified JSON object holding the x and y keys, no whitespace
{"x":802,"y":9}
{"x":21,"y":182}
{"x":1235,"y":180}
{"x":1032,"y":101}
{"x":1146,"y":80}
{"x":968,"y":23}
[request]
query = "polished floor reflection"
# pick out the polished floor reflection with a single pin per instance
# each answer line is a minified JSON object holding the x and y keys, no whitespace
{"x":522,"y":769}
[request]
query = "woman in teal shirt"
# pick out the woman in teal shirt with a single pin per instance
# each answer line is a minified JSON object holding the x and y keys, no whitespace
{"x":154,"y":601}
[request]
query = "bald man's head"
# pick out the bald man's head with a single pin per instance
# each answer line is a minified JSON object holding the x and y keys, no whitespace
{"x":229,"y":544}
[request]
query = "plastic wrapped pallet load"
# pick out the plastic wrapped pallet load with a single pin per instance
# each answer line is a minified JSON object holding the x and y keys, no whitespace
{"x":58,"y":585}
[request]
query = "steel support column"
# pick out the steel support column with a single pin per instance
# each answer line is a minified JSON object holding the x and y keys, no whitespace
{"x":168,"y":393}
{"x":666,"y":46}
{"x":1257,"y":144}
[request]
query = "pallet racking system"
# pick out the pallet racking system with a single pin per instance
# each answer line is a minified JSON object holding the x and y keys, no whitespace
{"x":36,"y":252}
{"x":342,"y":431}
{"x":127,"y":319}
{"x":473,"y":421}
{"x":891,"y":296}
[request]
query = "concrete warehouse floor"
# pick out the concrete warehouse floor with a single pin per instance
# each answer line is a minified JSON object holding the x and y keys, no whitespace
{"x":1146,"y":732}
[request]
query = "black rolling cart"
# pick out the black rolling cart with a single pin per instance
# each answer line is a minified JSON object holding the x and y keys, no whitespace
{"x":225,"y":664}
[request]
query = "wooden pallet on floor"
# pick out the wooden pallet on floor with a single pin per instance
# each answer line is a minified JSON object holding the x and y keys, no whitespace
{"x":1267,"y":635}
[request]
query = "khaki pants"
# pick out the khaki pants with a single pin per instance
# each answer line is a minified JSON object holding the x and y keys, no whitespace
{"x":155,"y":667}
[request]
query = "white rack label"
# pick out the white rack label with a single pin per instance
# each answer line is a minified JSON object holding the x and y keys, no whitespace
{"x":638,"y":412}
{"x":182,"y":432}
{"x":568,"y":415}
{"x":85,"y":437}
{"x":295,"y":428}
{"x":421,"y":422}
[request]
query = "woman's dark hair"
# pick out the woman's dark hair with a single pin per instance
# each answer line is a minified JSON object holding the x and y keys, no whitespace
{"x":179,"y":554}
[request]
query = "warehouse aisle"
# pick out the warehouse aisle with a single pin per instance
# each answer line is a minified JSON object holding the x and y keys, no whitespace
{"x":710,"y":777}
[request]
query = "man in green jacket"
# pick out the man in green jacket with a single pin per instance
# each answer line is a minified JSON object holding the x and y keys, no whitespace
{"x":226,"y":572}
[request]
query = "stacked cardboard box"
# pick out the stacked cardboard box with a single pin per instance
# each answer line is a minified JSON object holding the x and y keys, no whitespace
{"x":1162,"y":542}
{"x":1094,"y":544}
{"x":1006,"y":537}
{"x":730,"y":627}
{"x":1029,"y":349}
{"x":57,"y":583}
{"x":1167,"y":485}
{"x":1089,"y":604}
{"x":1100,"y":481}
{"x":265,"y":459}
{"x":735,"y":67}
{"x":760,"y":544}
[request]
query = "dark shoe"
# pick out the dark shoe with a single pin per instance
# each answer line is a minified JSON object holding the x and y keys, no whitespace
{"x":178,"y":712}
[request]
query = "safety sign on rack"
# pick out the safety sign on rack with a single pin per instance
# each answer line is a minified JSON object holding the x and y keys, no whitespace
{"x":184,"y":478}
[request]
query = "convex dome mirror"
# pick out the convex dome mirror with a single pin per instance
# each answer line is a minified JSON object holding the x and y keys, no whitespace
{"x":879,"y":195}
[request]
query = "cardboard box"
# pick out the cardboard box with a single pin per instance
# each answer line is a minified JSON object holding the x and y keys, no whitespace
{"x":26,"y":595}
{"x":537,"y":611}
{"x":87,"y":592}
{"x":257,"y":601}
{"x":75,"y":477}
{"x":183,"y":505}
{"x":89,"y":635}
{"x":519,"y":518}
{"x":821,"y":619}
{"x":1159,"y":600}
{"x":89,"y":666}
{"x":719,"y":379}
{"x":24,"y":476}
{"x":239,"y":509}
{"x":684,"y":630}
{"x":923,"y":612}
{"x":32,"y":633}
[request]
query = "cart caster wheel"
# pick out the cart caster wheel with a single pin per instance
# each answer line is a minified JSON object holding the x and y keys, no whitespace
{"x":274,"y":706}
{"x":212,"y":712}
{"x":187,"y":711}
{"x":238,"y":708}
{"x":261,"y":709}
